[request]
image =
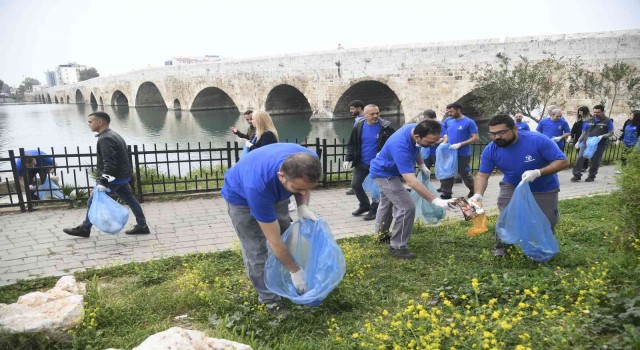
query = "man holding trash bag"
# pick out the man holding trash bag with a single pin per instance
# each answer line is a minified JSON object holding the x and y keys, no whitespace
{"x":257,"y":192}
{"x":114,"y":166}
{"x":597,"y":126}
{"x":367,"y":138}
{"x":520,"y":155}
{"x":393,"y":163}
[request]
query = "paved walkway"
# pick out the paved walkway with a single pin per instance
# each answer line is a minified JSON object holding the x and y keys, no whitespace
{"x":33,"y":245}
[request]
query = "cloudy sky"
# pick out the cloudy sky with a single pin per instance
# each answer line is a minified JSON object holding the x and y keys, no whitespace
{"x":118,"y":36}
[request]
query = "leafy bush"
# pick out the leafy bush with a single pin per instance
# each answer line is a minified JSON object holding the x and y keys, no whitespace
{"x":629,"y":196}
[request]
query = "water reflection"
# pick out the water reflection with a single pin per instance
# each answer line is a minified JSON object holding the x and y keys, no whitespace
{"x":292,"y":126}
{"x":153,"y":119}
{"x":216,"y":123}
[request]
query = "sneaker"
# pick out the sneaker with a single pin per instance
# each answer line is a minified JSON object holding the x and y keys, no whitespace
{"x":351,"y":192}
{"x":589,"y":179}
{"x":276,"y":308}
{"x":77,"y":231}
{"x":618,"y":172}
{"x":292,"y":206}
{"x":445,"y":196}
{"x":360,"y":211}
{"x":575,"y":179}
{"x":500,"y":252}
{"x":402,"y":253}
{"x":371,"y":215}
{"x":383,"y":238}
{"x":138,"y":230}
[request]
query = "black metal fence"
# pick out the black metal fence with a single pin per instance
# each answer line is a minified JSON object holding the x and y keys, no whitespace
{"x":166,"y":169}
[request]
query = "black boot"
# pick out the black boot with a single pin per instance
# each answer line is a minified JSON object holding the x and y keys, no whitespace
{"x":77,"y":231}
{"x":361,"y":210}
{"x":138,"y":230}
{"x":371,"y":215}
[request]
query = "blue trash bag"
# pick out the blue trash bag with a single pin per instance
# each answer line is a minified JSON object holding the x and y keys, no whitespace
{"x":106,"y":214}
{"x":371,"y":188}
{"x":314,"y":249}
{"x":523,"y":223}
{"x":50,"y":190}
{"x":592,"y":145}
{"x":426,"y":211}
{"x":446,"y":162}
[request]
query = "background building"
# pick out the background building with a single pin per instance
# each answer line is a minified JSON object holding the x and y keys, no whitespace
{"x":64,"y":74}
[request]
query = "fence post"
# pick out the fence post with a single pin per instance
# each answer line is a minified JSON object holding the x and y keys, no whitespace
{"x":228,"y":154}
{"x":324,"y":162}
{"x":235,"y":150}
{"x":27,"y":180}
{"x":16,"y":180}
{"x":136,"y":160}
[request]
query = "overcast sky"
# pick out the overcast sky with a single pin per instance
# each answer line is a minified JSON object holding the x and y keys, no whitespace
{"x":117,"y":36}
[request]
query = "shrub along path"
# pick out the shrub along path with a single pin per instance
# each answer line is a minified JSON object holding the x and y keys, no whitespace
{"x":33,"y":245}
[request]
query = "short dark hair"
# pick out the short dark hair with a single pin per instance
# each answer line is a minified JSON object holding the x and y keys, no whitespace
{"x":427,"y":127}
{"x":248,"y":112}
{"x":430,"y":113}
{"x":502,"y":119}
{"x":102,"y":115}
{"x":585,"y":112}
{"x":600,"y":107}
{"x":635,"y":120}
{"x":356,"y":104}
{"x":302,"y":165}
{"x":454,"y":105}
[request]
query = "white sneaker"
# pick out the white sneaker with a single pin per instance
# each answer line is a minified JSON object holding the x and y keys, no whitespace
{"x":618,"y":172}
{"x":292,"y":206}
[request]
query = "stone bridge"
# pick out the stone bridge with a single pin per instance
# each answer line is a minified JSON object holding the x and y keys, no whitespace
{"x":402,"y":80}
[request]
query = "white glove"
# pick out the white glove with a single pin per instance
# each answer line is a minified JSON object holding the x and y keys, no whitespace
{"x":476,"y":198}
{"x":557,"y":139}
{"x":305,"y":213}
{"x":248,"y":144}
{"x":530,"y":175}
{"x":54,"y":177}
{"x":618,"y":143}
{"x":441,"y":202}
{"x":425,"y":171}
{"x":101,"y":188}
{"x":298,"y":281}
{"x":32,"y":187}
{"x":455,"y":146}
{"x":346,"y":165}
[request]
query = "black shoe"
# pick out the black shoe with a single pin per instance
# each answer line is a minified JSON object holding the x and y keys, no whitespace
{"x":371,"y":215}
{"x":439,"y":190}
{"x":575,"y":179}
{"x":445,"y":196}
{"x":77,"y":231}
{"x":276,"y":308}
{"x":589,"y":179}
{"x":470,"y":194}
{"x":360,"y":211}
{"x":351,"y":192}
{"x":383,"y":238}
{"x":138,"y":230}
{"x":401,"y":253}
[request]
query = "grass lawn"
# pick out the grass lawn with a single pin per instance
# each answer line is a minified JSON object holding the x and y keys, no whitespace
{"x":454,"y":295}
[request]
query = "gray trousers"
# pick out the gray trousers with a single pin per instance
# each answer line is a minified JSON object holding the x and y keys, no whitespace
{"x":446,"y":185}
{"x":595,"y":161}
{"x":547,"y":201}
{"x":254,"y":244}
{"x":395,"y":203}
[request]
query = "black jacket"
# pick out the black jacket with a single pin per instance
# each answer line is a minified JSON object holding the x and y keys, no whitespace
{"x":354,"y":148}
{"x":251,"y":132}
{"x":113,"y":156}
{"x":266,"y":138}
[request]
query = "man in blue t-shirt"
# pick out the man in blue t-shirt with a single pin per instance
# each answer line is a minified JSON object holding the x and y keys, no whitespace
{"x":459,"y":131}
{"x":37,"y":167}
{"x":367,"y":139}
{"x":555,"y":127}
{"x":520,"y":156}
{"x":596,"y":126}
{"x":522,"y":125}
{"x":257,"y":191}
{"x":394,"y":163}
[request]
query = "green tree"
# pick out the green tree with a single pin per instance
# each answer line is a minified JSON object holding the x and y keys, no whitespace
{"x":609,"y":85}
{"x":28,"y":84}
{"x":526,"y":86}
{"x":88,"y":73}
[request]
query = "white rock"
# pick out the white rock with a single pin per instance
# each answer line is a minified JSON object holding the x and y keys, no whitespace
{"x":53,"y":312}
{"x":177,"y":338}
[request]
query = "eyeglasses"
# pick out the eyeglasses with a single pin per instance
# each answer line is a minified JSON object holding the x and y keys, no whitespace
{"x":498,"y":133}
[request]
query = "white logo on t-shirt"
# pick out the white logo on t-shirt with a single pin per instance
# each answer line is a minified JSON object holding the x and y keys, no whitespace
{"x":528,"y":158}
{"x":460,"y":127}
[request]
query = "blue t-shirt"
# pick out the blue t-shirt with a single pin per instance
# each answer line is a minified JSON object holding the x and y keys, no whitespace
{"x":630,"y":135}
{"x":397,"y":156}
{"x":369,"y":145}
{"x":523,"y":126}
{"x":48,"y":161}
{"x":459,"y":130}
{"x":253,"y":181}
{"x":531,"y":151}
{"x":552,"y":129}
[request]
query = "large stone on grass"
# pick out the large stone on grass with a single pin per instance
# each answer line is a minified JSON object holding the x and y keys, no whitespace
{"x":52,"y":312}
{"x":180,"y":338}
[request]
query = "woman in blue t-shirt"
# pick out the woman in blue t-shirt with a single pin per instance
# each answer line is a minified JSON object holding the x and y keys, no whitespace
{"x":629,"y":135}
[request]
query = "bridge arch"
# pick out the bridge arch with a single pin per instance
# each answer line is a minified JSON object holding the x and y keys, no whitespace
{"x":149,"y":95}
{"x":48,"y":98}
{"x":68,"y":99}
{"x":56,"y":99}
{"x":93,"y":101}
{"x":469,"y":109}
{"x":287,"y":99}
{"x":119,"y":99}
{"x":101,"y":101}
{"x":79,"y":97}
{"x":212,"y":98}
{"x":176,"y":104}
{"x":370,"y":92}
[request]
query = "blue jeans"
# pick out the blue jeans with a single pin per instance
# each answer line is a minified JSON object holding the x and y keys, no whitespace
{"x":125,"y":192}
